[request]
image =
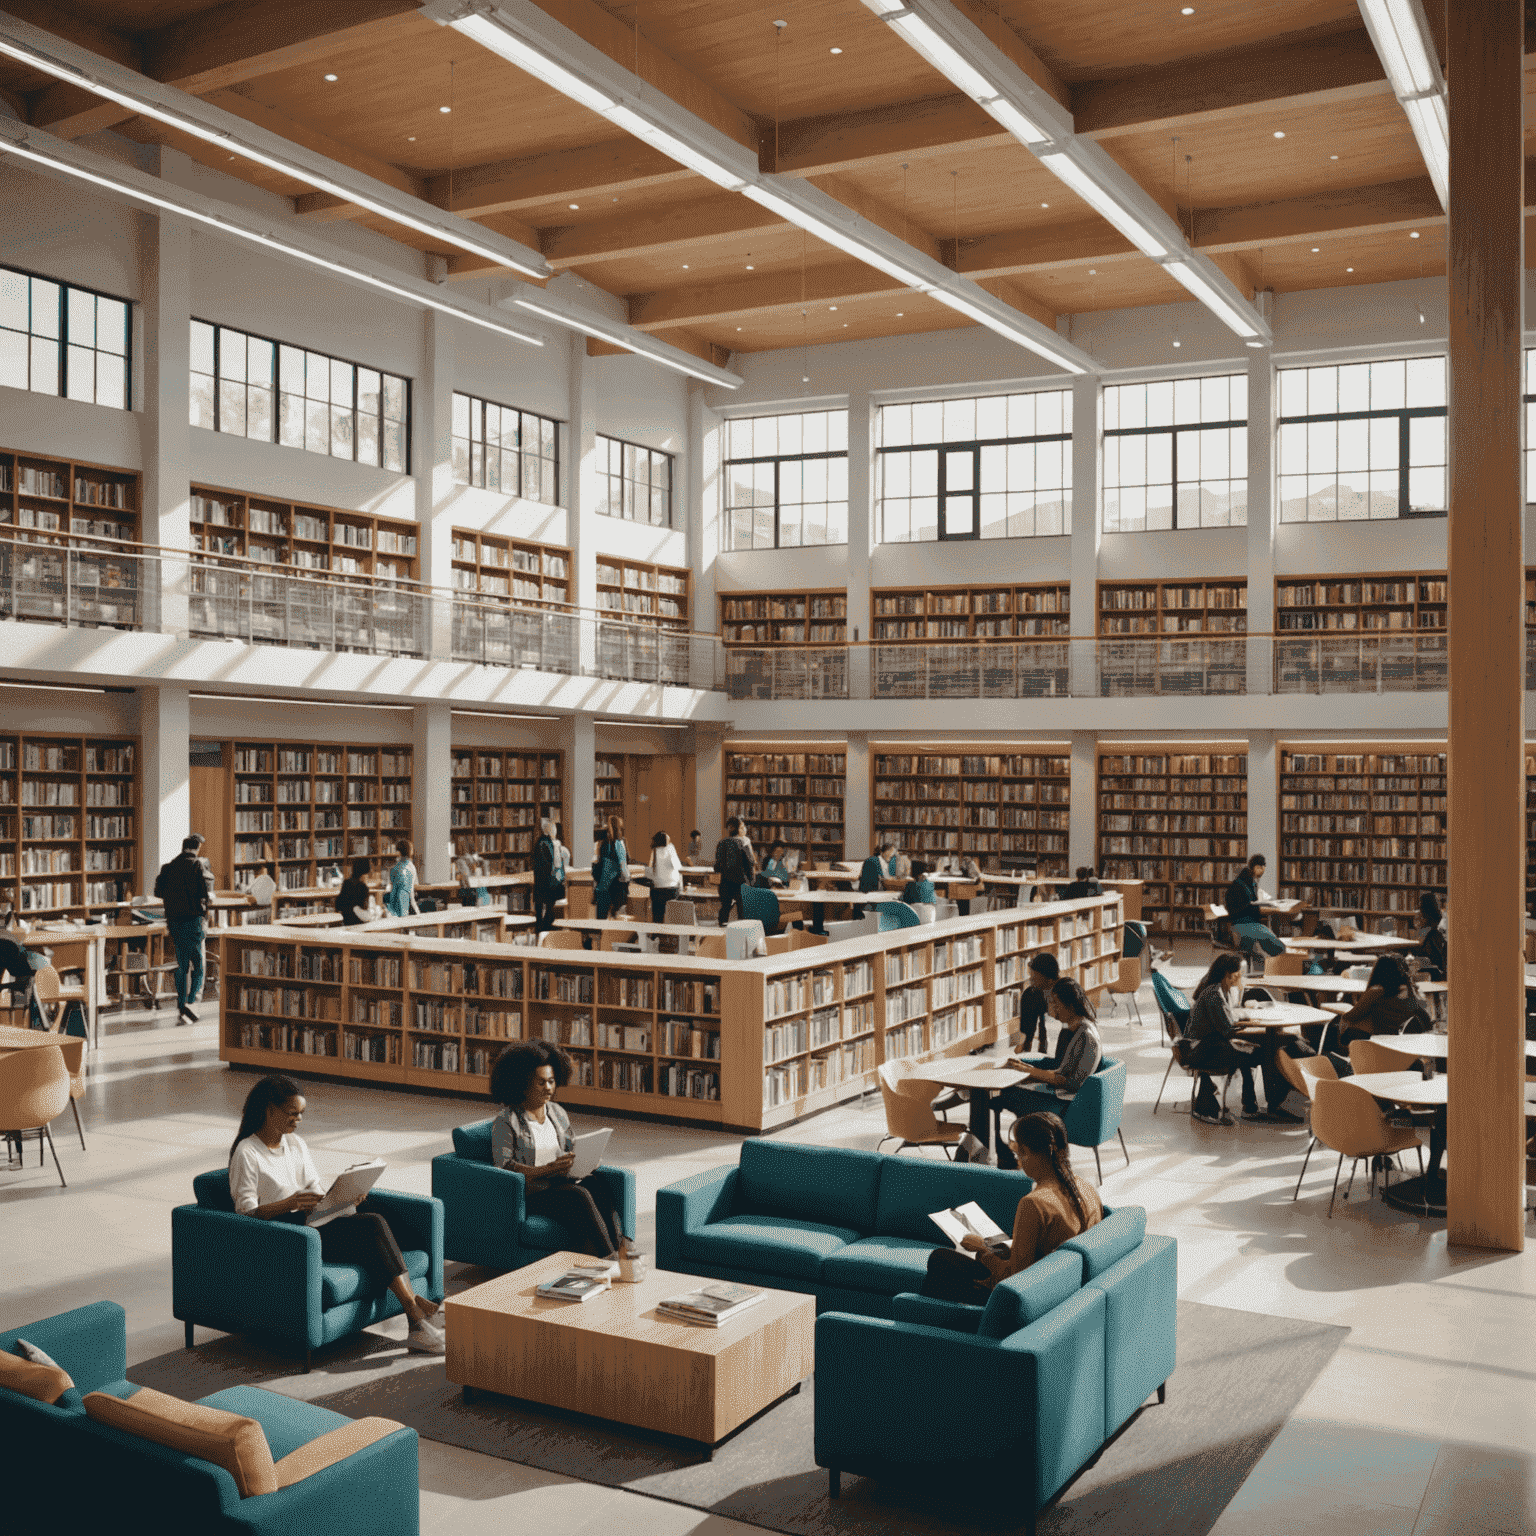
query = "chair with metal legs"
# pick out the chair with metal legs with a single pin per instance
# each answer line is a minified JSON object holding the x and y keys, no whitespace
{"x":1347,"y":1120}
{"x":34,"y":1088}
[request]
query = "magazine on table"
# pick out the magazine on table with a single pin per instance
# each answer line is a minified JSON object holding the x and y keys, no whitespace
{"x":710,"y":1305}
{"x":347,"y":1189}
{"x":573,"y":1285}
{"x":970,"y":1220}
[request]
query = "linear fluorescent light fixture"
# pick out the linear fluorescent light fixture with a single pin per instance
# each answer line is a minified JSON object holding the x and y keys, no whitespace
{"x":1211,"y":296}
{"x":1104,"y":202}
{"x":1000,"y":323}
{"x":63,"y":158}
{"x":1399,"y":32}
{"x":148,"y":98}
{"x":823,"y":229}
{"x":620,"y":335}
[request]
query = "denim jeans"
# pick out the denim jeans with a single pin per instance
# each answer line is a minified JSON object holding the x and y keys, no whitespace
{"x":1259,"y":935}
{"x":188,"y":934}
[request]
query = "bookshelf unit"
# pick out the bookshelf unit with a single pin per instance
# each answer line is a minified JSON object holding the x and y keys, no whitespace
{"x":305,"y":806}
{"x":1039,"y":611}
{"x":1176,"y":818}
{"x":499,"y":798}
{"x":637,"y":592}
{"x":1007,"y":810}
{"x":795,"y":797}
{"x":69,"y":823}
{"x":817,"y":616}
{"x":745,"y":1045}
{"x":608,"y":776}
{"x":516,"y":571}
{"x":50,"y":505}
{"x":1362,"y":828}
{"x":1190,"y":617}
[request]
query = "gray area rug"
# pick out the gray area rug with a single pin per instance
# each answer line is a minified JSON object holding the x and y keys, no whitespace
{"x":1170,"y":1472}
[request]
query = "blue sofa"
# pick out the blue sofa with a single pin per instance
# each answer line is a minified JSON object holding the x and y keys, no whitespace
{"x":850,"y":1228}
{"x":1043,"y":1376}
{"x":74,"y":1475}
{"x":485,"y":1212}
{"x":241,"y":1275}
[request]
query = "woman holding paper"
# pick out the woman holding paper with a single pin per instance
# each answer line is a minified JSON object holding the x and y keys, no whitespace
{"x":273,"y":1178}
{"x":532,"y":1136}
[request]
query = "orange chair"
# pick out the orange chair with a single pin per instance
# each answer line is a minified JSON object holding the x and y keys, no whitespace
{"x":34,"y":1088}
{"x":909,"y":1117}
{"x":1347,"y":1120}
{"x":561,"y":938}
{"x":711,"y":947}
{"x":52,"y":994}
{"x":1302,"y":1073}
{"x":1128,"y":982}
{"x":1367,"y":1056}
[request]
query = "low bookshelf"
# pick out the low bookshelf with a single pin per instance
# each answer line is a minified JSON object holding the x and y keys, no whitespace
{"x":793,"y":795}
{"x":748,"y":1045}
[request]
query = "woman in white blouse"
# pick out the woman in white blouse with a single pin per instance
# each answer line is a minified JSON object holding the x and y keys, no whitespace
{"x":273,"y":1178}
{"x":666,"y":873}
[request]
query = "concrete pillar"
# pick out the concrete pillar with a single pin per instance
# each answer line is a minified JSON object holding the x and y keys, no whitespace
{"x":431,"y":773}
{"x":432,"y":465}
{"x":165,"y":732}
{"x":1082,"y":841}
{"x":704,"y":491}
{"x":582,"y":487}
{"x":1087,"y":525}
{"x":164,"y":390}
{"x":1262,"y":516}
{"x":858,"y":823}
{"x":578,"y":740}
{"x":1264,"y":803}
{"x":862,"y":536}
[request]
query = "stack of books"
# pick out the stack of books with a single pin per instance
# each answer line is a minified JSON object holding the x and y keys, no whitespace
{"x":710,"y":1305}
{"x":578,"y":1283}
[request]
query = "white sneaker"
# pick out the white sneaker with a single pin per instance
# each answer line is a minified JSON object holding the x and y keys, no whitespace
{"x":424,"y":1339}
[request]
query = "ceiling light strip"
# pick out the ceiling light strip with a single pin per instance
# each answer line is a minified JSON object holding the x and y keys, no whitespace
{"x":1399,"y":32}
{"x":137,"y":93}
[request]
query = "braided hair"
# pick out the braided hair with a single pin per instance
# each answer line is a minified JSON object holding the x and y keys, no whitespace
{"x":1045,"y":1135}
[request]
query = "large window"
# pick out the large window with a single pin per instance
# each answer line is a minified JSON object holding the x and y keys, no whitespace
{"x":999,"y":467}
{"x":1363,"y":441}
{"x":786,"y":480}
{"x":249,"y":386}
{"x":56,"y":339}
{"x":1176,"y":454}
{"x":500,"y":448}
{"x":637,"y":482}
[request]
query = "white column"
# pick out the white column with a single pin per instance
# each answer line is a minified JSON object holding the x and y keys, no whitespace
{"x":1087,"y":461}
{"x":432,"y":463}
{"x":578,"y":740}
{"x":431,"y":774}
{"x":165,"y":731}
{"x":858,"y":825}
{"x":861,"y":539}
{"x":1082,"y":840}
{"x":1264,"y":803}
{"x":581,"y":515}
{"x":1261,"y":519}
{"x":164,"y":389}
{"x":704,"y":492}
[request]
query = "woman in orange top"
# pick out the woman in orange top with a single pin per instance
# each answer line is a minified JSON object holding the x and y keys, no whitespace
{"x":1058,"y":1207}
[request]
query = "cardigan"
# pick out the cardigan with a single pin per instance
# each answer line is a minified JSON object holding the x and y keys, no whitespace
{"x":512,"y":1136}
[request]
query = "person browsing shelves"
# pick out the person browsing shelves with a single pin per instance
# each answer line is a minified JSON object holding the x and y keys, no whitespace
{"x":1243,"y":910}
{"x":774,"y":866}
{"x":1058,"y":1207}
{"x":532,"y":1136}
{"x":610,"y":869}
{"x":272,"y":1177}
{"x":262,"y":890}
{"x":185,"y":885}
{"x":736,"y":864}
{"x":401,"y":900}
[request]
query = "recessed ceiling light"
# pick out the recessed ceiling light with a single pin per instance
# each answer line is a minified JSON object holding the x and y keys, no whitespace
{"x":845,"y":325}
{"x":685,"y":266}
{"x":410,"y":138}
{"x":1349,"y":269}
{"x":1045,"y":205}
{"x":573,"y":206}
{"x":1188,"y":10}
{"x":837,"y":50}
{"x":832,"y":307}
{"x":1316,"y":249}
{"x":1177,"y":342}
{"x":331,"y":78}
{"x":1093,"y":271}
{"x":900,"y":313}
{"x":1413,"y":234}
{"x":750,"y":267}
{"x":1279,"y":133}
{"x":1333,"y":157}
{"x":1255,"y":343}
{"x":445,"y":109}
{"x":738,"y":327}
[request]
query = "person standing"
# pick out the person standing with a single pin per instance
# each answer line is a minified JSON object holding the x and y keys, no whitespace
{"x":470,"y":870}
{"x":695,"y":847}
{"x":401,"y":900}
{"x":666,"y":872}
{"x":872,"y":870}
{"x":185,"y":885}
{"x":610,"y":869}
{"x":263,"y":891}
{"x":353,"y":900}
{"x":735,"y":863}
{"x":548,"y":884}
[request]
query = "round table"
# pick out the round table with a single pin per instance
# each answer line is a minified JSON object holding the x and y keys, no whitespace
{"x":1254,"y":1016}
{"x":1435,"y":1047}
{"x":981,"y":1077}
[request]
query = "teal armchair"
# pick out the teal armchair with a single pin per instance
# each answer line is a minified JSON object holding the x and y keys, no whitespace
{"x":241,"y":1275}
{"x":897,"y":914}
{"x":1092,"y":1115}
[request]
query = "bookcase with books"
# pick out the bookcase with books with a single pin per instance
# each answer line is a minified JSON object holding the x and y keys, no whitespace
{"x":1363,"y":827}
{"x":1007,"y":810}
{"x":518,"y":571}
{"x":1332,"y":629}
{"x":309,"y":806}
{"x":1036,"y":611}
{"x":817,"y":616}
{"x":1189,"y":619}
{"x":1176,"y":818}
{"x":49,"y":506}
{"x":637,"y":591}
{"x":69,"y":824}
{"x":301,"y":536}
{"x":793,"y":796}
{"x":748,"y":1045}
{"x":608,"y":774}
{"x":499,"y":798}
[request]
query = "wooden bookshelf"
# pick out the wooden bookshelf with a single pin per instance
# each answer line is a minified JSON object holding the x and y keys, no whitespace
{"x":638,"y":592}
{"x":1362,"y":828}
{"x":746,"y":1045}
{"x":514,"y":570}
{"x":817,"y":616}
{"x":69,"y":823}
{"x":499,"y":798}
{"x":1173,"y":607}
{"x":1176,"y":818}
{"x":1037,"y":611}
{"x":1189,"y":618}
{"x":1006,"y":810}
{"x":1401,"y":603}
{"x":50,"y":505}
{"x":793,"y":796}
{"x":308,"y":806}
{"x":608,"y":779}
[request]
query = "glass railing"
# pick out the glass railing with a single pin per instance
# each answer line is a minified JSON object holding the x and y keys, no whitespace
{"x":1368,"y":664}
{"x":106,"y":585}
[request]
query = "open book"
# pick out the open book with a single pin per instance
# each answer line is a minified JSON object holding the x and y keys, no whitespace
{"x":348,"y":1187}
{"x":589,"y":1152}
{"x":970,"y":1221}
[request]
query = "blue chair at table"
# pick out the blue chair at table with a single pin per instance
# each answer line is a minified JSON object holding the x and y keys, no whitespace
{"x":762,"y":905}
{"x":243,"y":1275}
{"x":1093,"y":1114}
{"x":485,"y":1211}
{"x":897,"y":914}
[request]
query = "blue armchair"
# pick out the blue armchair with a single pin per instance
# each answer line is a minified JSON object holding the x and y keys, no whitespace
{"x":761,"y":904}
{"x":241,"y":1275}
{"x":82,"y":1475}
{"x":484,"y":1207}
{"x":897,"y":914}
{"x":1093,"y":1114}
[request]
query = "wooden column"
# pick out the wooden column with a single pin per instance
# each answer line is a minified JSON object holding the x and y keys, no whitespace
{"x":1485,"y":265}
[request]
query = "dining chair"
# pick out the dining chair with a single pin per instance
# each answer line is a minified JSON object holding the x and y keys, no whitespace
{"x":1302,"y":1073}
{"x":34,"y":1088}
{"x":683,"y":913}
{"x":711,"y":947}
{"x":561,"y":938}
{"x":1128,"y":982}
{"x":909,"y":1117}
{"x":1367,"y":1056}
{"x":54,"y":997}
{"x":1347,"y":1120}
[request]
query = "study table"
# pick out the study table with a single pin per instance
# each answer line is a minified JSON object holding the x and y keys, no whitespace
{"x":980,"y":1077}
{"x":1433,"y":1047}
{"x":73,"y":1047}
{"x":83,"y":948}
{"x":1278,"y":1016}
{"x":612,"y":930}
{"x":1364,"y":944}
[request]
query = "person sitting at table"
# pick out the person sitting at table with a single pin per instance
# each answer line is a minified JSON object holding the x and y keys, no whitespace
{"x":872,"y":870}
{"x":353,"y":900}
{"x":1244,"y":912}
{"x":262,"y":891}
{"x":900,"y":866}
{"x":666,"y":875}
{"x":1084,"y":883}
{"x":470,"y":870}
{"x":272,"y":1177}
{"x":1213,"y":1031}
{"x":774,"y":868}
{"x":21,"y":965}
{"x":1056,"y":1077}
{"x":1058,"y":1207}
{"x":1432,"y":948}
{"x":919,"y":887}
{"x":532,"y":1136}
{"x":1388,"y":1006}
{"x":970,"y":869}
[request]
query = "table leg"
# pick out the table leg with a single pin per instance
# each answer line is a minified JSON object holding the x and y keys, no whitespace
{"x":818,"y":917}
{"x":981,"y":1115}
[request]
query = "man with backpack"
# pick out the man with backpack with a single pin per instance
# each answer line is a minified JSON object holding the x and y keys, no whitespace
{"x":185,"y":885}
{"x":736,"y":864}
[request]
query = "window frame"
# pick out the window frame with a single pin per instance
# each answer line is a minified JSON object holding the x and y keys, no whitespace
{"x":63,"y":342}
{"x":276,"y":439}
{"x":778,"y":459}
{"x":482,"y":401}
{"x":604,"y":438}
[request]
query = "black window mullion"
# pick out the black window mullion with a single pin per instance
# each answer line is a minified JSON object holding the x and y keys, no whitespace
{"x":777,"y":503}
{"x":63,"y":330}
{"x":218,"y":334}
{"x":1174,"y":471}
{"x":1402,"y":463}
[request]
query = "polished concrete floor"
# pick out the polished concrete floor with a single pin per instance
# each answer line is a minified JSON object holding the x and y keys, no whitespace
{"x":1423,"y":1425}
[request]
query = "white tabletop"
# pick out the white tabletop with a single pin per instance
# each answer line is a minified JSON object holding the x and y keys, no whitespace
{"x":1280,"y":1016}
{"x":1434,"y":1046}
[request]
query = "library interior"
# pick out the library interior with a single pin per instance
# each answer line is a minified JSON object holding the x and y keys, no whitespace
{"x":444,"y":530}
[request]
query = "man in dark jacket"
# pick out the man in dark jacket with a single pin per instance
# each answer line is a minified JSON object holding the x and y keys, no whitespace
{"x":185,"y":885}
{"x":547,"y":887}
{"x":735,"y":863}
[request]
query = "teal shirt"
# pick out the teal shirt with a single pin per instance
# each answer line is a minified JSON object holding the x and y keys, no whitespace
{"x":775,"y":870}
{"x":918,"y":890}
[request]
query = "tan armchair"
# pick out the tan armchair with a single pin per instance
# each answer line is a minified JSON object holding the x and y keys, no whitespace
{"x":1347,"y":1120}
{"x":561,"y":938}
{"x":34,"y":1088}
{"x":1367,"y":1056}
{"x":909,"y":1117}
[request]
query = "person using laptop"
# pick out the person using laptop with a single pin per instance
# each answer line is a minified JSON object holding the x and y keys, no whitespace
{"x":532,"y":1136}
{"x":272,"y":1177}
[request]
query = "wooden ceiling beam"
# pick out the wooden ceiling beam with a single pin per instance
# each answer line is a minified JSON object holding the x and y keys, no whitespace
{"x":1010,"y":293}
{"x":639,"y":234}
{"x":1406,"y":204}
{"x":845,"y":141}
{"x":1044,"y":250}
{"x":881,"y":214}
{"x":607,"y":169}
{"x":714,"y":303}
{"x":67,"y":110}
{"x":988,"y":19}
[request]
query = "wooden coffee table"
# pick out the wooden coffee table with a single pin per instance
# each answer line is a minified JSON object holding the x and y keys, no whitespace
{"x":615,"y":1358}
